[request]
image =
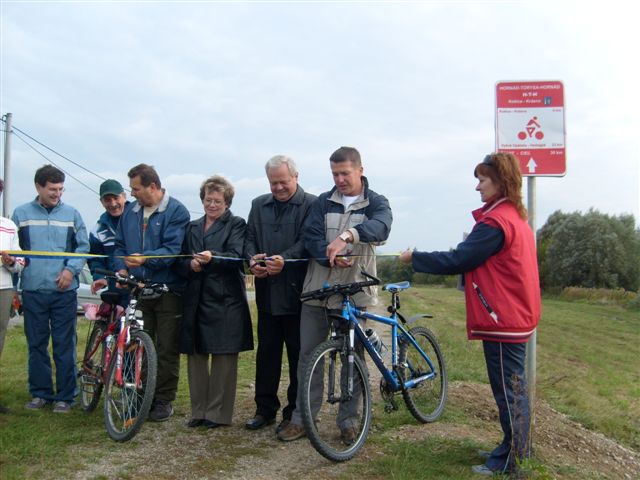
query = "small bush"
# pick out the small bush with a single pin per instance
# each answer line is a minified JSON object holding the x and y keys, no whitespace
{"x":601,"y":296}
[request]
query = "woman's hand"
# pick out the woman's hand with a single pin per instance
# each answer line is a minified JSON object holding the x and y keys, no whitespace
{"x":203,"y":257}
{"x":406,"y":256}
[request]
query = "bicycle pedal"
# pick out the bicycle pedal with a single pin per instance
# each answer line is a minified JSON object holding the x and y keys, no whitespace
{"x":130,"y":422}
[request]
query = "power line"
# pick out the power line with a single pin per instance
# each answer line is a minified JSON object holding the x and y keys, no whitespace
{"x":15,"y":129}
{"x":53,"y":163}
{"x":57,"y":153}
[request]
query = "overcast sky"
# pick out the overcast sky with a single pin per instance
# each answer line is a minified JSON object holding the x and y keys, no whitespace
{"x":197,"y":88}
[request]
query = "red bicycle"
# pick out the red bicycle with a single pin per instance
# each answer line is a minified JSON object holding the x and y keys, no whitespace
{"x":121,"y":357}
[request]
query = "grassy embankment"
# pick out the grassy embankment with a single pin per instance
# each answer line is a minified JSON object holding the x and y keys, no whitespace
{"x":587,"y":368}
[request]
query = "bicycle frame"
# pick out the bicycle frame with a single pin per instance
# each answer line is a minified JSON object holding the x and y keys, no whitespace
{"x":351,"y":314}
{"x":128,"y":320}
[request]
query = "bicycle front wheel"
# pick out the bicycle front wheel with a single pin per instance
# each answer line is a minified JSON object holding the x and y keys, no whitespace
{"x":426,"y":399}
{"x":127,"y":402}
{"x":336,"y":421}
{"x":91,"y":370}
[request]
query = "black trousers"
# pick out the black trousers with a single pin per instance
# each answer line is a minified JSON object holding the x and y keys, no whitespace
{"x":505,"y":366}
{"x":275,"y":331}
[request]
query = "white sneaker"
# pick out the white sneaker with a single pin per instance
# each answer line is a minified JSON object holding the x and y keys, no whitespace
{"x":36,"y":403}
{"x":62,"y":407}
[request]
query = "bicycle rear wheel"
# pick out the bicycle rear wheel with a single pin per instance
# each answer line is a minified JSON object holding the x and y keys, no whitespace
{"x":426,"y":399}
{"x":92,"y":368}
{"x":337,"y":425}
{"x":127,"y":404}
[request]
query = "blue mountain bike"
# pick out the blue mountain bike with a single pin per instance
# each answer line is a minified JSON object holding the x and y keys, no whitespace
{"x":336,"y":395}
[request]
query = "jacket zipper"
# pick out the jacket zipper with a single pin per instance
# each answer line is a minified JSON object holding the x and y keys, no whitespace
{"x":492,"y":314}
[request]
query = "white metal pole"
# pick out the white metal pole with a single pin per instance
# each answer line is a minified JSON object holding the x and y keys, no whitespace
{"x":531,"y":345}
{"x":6,"y":202}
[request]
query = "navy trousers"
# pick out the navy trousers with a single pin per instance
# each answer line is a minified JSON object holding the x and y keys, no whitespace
{"x":505,"y":366}
{"x":51,"y":315}
{"x":273,"y":333}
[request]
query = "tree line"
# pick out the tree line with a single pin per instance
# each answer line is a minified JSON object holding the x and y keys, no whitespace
{"x":591,"y":250}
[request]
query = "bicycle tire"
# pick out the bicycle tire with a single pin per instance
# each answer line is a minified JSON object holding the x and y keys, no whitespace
{"x":427,"y":399}
{"x":322,"y":419}
{"x":126,"y":406}
{"x":92,"y":368}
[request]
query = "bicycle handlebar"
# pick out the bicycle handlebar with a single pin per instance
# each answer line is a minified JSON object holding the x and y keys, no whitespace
{"x":133,"y":282}
{"x":343,"y":290}
{"x":121,"y":279}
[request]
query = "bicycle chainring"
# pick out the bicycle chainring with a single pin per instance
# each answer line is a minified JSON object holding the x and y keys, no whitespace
{"x":388,"y":396}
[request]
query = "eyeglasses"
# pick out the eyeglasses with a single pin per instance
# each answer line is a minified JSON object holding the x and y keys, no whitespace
{"x":216,"y":203}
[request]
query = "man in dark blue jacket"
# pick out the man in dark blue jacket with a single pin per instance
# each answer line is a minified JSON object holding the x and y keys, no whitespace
{"x":274,"y":235}
{"x":151,"y":230}
{"x":102,"y":238}
{"x":350,"y":219}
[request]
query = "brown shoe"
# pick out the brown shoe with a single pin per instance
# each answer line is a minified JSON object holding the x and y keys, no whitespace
{"x":348,"y":435}
{"x":291,"y":432}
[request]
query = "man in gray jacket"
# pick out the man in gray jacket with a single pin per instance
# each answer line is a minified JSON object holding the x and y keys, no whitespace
{"x":349,"y":219}
{"x":274,"y":235}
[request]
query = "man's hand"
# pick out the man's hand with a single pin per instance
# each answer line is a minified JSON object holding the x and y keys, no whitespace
{"x":343,"y":262}
{"x":98,"y":285}
{"x":134,"y":260}
{"x":257,"y":265}
{"x":275,"y":264}
{"x":64,"y":279}
{"x":334,"y":249}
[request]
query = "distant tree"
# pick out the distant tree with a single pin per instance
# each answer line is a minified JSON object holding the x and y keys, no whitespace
{"x":391,"y":270}
{"x":592,"y":250}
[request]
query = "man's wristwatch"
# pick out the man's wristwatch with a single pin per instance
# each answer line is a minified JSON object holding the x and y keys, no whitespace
{"x":346,"y":237}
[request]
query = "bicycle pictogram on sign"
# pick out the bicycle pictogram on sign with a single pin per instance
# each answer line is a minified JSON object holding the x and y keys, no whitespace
{"x":531,"y":128}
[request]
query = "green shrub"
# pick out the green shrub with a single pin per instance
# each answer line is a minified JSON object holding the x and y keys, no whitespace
{"x":602,"y":296}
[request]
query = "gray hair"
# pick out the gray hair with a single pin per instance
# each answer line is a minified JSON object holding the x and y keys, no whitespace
{"x":279,"y":160}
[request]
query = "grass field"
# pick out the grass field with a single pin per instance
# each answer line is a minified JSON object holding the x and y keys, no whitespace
{"x":588,"y":368}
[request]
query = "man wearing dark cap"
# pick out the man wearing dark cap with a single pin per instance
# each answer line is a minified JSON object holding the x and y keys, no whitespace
{"x":103,"y":234}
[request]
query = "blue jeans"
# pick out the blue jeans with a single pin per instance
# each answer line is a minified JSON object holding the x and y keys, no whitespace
{"x":51,"y":315}
{"x":505,"y":366}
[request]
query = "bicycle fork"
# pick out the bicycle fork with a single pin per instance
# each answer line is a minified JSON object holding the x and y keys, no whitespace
{"x":344,"y":395}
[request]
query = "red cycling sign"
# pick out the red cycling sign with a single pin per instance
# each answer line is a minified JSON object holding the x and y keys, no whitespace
{"x":530,"y":124}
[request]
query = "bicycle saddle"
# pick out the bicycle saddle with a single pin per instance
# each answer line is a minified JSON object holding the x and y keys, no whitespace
{"x":112,"y":298}
{"x":396,"y":287}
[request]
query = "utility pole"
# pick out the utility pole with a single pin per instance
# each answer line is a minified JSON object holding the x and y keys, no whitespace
{"x":6,"y":204}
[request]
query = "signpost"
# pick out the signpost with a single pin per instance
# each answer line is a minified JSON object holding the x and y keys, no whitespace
{"x":530,"y":125}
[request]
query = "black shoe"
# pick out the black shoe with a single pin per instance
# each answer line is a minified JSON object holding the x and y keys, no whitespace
{"x":210,"y":424}
{"x":160,"y":411}
{"x":3,"y":409}
{"x":259,"y":421}
{"x":195,"y":422}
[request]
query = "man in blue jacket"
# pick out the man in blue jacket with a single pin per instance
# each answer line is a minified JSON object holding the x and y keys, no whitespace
{"x":154,"y":226}
{"x":102,"y":238}
{"x":49,"y":289}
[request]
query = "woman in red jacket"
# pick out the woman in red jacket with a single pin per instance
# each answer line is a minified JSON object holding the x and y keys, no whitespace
{"x":502,"y":294}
